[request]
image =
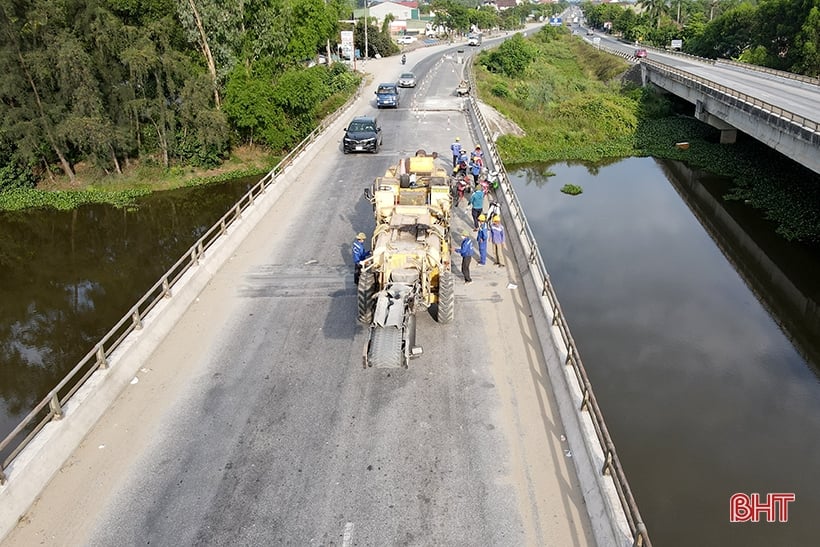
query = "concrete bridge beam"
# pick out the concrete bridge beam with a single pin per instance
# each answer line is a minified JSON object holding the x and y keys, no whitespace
{"x":728,"y":133}
{"x":731,"y":114}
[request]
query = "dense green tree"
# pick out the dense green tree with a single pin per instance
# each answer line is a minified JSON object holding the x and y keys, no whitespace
{"x":378,"y":41}
{"x":695,"y":27}
{"x":451,"y":15}
{"x":511,"y":58}
{"x":214,"y":26}
{"x":484,"y":18}
{"x":37,"y":99}
{"x":514,"y":18}
{"x":728,"y":35}
{"x":778,"y":25}
{"x":107,"y":82}
{"x":249,"y":104}
{"x":656,"y":10}
{"x":808,"y":41}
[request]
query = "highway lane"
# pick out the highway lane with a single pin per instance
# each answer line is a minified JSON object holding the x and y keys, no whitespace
{"x":254,"y":423}
{"x":796,"y":97}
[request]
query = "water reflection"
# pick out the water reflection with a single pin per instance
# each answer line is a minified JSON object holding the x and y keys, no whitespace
{"x":66,"y":277}
{"x":704,"y":394}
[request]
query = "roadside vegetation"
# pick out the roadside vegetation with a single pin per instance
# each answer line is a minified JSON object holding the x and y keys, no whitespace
{"x":779,"y":34}
{"x":574,"y":105}
{"x":104,"y":100}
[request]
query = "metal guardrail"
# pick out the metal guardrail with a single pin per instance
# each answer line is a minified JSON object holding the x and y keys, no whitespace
{"x":50,"y":408}
{"x":772,"y":71}
{"x":612,"y":465}
{"x":721,"y":61}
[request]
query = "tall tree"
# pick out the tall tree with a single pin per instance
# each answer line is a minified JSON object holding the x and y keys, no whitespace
{"x":655,"y":10}
{"x":728,"y":35}
{"x":216,"y":22}
{"x":779,"y":22}
{"x":34,"y":95}
{"x":809,"y":43}
{"x":206,"y":49}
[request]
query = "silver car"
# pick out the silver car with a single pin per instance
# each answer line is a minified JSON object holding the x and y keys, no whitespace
{"x":408,"y":79}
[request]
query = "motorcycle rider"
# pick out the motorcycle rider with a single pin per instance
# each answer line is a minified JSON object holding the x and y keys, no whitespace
{"x":460,"y":181}
{"x":403,"y":58}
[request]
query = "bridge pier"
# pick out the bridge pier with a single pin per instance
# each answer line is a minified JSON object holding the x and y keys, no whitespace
{"x":728,"y":133}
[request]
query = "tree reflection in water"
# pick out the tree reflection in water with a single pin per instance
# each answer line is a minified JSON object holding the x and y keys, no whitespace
{"x":66,"y":277}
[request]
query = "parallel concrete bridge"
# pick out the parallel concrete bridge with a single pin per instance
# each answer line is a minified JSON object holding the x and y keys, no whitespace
{"x":780,"y":109}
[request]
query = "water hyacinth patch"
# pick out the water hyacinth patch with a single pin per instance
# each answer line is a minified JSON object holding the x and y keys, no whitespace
{"x":571,"y":189}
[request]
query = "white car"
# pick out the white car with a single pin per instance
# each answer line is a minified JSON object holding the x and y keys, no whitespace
{"x":407,"y":79}
{"x":406,"y":39}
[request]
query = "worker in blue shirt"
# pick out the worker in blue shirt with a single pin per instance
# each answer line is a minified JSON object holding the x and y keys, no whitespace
{"x":466,"y":252}
{"x":477,"y":205}
{"x":481,"y":237}
{"x":456,"y":149}
{"x":359,"y":254}
{"x":497,"y":238}
{"x":475,"y":169}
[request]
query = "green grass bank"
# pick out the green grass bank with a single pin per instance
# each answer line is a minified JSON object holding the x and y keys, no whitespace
{"x":574,"y":104}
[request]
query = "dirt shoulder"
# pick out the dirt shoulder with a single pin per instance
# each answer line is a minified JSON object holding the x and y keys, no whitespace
{"x":498,"y":123}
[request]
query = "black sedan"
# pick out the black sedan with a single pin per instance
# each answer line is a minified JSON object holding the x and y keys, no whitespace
{"x":362,"y":135}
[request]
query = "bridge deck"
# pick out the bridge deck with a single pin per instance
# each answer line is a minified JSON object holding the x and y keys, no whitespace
{"x":253,"y":422}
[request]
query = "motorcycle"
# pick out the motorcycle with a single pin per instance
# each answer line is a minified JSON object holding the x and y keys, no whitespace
{"x":461,"y":185}
{"x":403,"y":59}
{"x":494,"y":180}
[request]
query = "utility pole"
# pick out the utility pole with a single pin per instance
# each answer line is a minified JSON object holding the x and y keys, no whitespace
{"x":366,"y":24}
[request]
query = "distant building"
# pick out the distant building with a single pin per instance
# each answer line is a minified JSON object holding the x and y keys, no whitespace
{"x":502,"y":5}
{"x":401,"y":11}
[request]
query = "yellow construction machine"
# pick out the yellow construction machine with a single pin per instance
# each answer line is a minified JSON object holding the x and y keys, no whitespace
{"x":410,"y":265}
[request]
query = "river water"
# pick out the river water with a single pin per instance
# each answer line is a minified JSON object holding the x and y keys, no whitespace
{"x":701,"y":337}
{"x":704,"y":391}
{"x":66,"y":277}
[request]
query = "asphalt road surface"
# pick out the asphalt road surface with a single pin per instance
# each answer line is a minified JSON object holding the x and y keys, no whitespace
{"x":254,"y":422}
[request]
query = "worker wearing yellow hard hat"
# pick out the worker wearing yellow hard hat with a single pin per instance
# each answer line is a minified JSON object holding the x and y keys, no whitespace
{"x":455,"y":148}
{"x":481,"y":237}
{"x":359,"y":254}
{"x":497,"y":238}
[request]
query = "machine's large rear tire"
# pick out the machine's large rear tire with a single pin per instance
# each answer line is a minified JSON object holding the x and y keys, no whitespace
{"x":385,"y":348}
{"x":364,"y":296}
{"x":446,"y":298}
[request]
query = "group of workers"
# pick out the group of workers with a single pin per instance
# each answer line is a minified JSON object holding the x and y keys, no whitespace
{"x":494,"y":233}
{"x":464,"y":161}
